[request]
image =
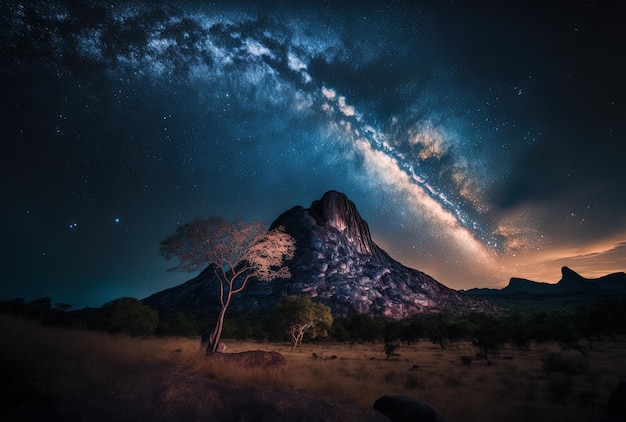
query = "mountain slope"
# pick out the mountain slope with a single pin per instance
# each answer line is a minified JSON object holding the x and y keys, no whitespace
{"x":337,"y":263}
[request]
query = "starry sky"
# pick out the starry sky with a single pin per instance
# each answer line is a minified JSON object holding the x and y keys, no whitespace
{"x":480,"y":140}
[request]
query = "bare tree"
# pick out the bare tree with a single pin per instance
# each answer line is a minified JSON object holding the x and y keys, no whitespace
{"x":236,"y":251}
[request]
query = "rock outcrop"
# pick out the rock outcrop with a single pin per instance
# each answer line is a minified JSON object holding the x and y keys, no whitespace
{"x":337,"y":263}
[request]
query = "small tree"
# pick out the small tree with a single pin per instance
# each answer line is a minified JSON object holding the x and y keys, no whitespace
{"x":235,"y":250}
{"x":390,"y":348}
{"x":299,"y":315}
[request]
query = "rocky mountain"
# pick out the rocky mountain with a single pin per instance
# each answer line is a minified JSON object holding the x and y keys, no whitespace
{"x":570,"y":284}
{"x":337,"y":263}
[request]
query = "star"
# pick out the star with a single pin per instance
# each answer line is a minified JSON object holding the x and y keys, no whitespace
{"x":163,"y":114}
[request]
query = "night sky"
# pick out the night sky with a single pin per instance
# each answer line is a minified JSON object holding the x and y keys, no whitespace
{"x":479,"y":140}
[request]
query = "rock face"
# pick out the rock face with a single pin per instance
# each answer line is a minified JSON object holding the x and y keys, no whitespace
{"x":337,"y":263}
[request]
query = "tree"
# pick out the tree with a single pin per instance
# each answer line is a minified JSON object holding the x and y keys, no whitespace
{"x":488,"y":334}
{"x":129,"y":315}
{"x":236,"y":251}
{"x":299,"y":315}
{"x":365,"y":328}
{"x":444,"y":328}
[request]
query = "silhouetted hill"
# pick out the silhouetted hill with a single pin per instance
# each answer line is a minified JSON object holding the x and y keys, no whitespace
{"x":337,"y":263}
{"x":571,"y":285}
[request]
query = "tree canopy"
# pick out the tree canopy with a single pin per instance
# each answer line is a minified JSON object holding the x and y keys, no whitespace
{"x":237,"y":251}
{"x":129,"y":315}
{"x":299,"y":315}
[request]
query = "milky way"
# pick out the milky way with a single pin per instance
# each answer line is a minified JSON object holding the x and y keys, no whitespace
{"x":460,"y":145}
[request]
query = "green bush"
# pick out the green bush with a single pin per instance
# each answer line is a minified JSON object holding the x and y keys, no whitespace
{"x":177,"y":324}
{"x":129,"y":315}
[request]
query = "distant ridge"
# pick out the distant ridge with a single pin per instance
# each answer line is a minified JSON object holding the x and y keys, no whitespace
{"x":337,"y":263}
{"x":570,"y":284}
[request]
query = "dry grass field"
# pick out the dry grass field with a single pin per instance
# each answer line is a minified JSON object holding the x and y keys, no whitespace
{"x":515,"y":387}
{"x":40,"y":362}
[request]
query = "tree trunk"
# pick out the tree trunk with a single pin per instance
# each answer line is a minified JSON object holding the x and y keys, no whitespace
{"x":217,"y":333}
{"x":294,"y":337}
{"x":300,"y":336}
{"x":297,"y":334}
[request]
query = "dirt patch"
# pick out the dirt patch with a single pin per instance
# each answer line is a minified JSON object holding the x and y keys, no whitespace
{"x":163,"y":392}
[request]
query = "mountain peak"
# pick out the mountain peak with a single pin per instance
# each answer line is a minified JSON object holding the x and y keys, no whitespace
{"x":571,"y":279}
{"x":567,"y":272}
{"x":337,"y":211}
{"x":331,"y":219}
{"x":337,"y":263}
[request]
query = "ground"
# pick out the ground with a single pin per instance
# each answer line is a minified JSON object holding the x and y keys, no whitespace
{"x":59,"y":374}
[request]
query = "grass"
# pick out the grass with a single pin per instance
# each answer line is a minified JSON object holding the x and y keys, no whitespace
{"x":38,"y":362}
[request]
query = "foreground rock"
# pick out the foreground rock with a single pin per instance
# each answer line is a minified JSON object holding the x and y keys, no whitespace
{"x":406,"y":409}
{"x":337,"y":263}
{"x":616,"y":406}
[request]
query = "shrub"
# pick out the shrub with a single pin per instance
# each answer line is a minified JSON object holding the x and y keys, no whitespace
{"x":130,"y":316}
{"x":176,"y":324}
{"x":390,"y":348}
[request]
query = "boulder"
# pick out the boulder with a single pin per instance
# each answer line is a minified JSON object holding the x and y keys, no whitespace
{"x":405,"y":409}
{"x":616,"y":406}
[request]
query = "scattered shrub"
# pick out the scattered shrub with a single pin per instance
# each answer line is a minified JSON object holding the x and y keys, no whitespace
{"x":390,"y":348}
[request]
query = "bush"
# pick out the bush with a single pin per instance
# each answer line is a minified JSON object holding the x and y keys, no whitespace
{"x":365,"y":328}
{"x":390,"y":348}
{"x":340,"y":333}
{"x":130,"y":316}
{"x":176,"y":324}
